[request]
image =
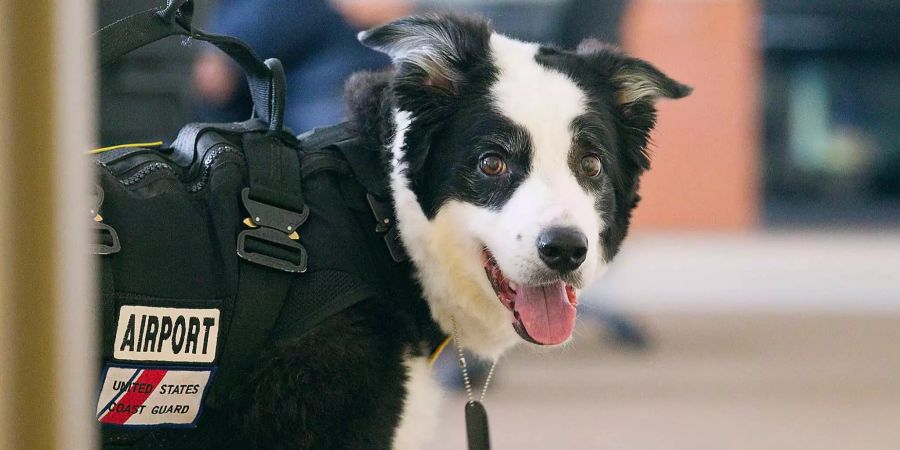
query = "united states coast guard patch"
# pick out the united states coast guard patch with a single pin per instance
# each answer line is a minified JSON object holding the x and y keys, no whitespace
{"x":152,"y":396}
{"x":155,"y":394}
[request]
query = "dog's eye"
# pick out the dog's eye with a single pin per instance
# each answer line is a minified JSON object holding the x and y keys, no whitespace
{"x":591,"y":166}
{"x":492,"y":165}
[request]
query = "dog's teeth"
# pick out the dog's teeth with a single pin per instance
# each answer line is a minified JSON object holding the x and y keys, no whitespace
{"x":513,"y":285}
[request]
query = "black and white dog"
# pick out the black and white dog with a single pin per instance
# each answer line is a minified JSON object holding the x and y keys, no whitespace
{"x":514,"y":169}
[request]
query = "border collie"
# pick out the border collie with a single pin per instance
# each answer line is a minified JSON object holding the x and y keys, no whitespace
{"x":513,"y":169}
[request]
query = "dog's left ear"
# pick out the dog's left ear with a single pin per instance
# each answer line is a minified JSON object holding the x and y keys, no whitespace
{"x":635,"y":80}
{"x":636,"y":86}
{"x":432,"y":51}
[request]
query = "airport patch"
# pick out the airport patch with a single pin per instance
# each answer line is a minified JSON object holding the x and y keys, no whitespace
{"x":146,"y":333}
{"x":152,"y":396}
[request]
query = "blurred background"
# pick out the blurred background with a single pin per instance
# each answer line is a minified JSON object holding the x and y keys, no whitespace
{"x":756,"y":304}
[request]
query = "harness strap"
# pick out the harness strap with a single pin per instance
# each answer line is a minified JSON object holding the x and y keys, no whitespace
{"x":261,"y":295}
{"x":364,"y":162}
{"x":319,"y":138}
{"x":275,"y":203}
{"x":185,"y":146}
{"x":323,"y":161}
{"x":274,"y":170}
{"x":108,"y":304}
{"x":266,"y":79}
{"x":365,"y":165}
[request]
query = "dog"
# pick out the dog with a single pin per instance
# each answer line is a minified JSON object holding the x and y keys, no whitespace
{"x":513,"y":169}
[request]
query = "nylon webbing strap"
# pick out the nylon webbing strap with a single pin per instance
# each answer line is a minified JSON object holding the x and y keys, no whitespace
{"x":274,"y":172}
{"x":185,"y":145}
{"x":365,"y":162}
{"x":318,"y":138}
{"x":108,"y":304}
{"x":261,"y":294}
{"x":266,"y":79}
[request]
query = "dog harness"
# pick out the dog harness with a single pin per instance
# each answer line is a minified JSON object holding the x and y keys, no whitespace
{"x":227,"y":241}
{"x":199,"y":277}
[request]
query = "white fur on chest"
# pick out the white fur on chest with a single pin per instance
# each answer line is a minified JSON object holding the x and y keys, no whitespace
{"x":418,"y":421}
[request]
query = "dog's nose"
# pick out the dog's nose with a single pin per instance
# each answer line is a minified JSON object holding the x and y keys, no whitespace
{"x":562,"y":248}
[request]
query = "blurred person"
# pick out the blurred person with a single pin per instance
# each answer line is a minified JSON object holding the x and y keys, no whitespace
{"x":599,"y":19}
{"x":315,"y":41}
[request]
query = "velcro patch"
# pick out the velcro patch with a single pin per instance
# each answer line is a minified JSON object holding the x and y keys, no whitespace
{"x":152,"y":396}
{"x":146,"y":333}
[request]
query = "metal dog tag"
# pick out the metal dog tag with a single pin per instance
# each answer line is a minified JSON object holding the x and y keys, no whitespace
{"x":477,"y":426}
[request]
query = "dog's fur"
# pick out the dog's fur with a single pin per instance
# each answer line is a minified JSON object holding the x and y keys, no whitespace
{"x":459,"y":91}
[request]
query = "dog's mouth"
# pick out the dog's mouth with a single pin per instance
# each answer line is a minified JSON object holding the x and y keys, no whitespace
{"x":543,"y":314}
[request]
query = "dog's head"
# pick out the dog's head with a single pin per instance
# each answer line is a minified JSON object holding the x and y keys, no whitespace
{"x":514,"y":170}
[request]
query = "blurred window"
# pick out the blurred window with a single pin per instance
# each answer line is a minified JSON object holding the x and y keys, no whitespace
{"x":832,"y":109}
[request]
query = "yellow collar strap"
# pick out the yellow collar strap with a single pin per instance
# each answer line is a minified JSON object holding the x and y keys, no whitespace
{"x":437,"y":351}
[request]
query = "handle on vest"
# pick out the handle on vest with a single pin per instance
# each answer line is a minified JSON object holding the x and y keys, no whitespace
{"x":266,"y":79}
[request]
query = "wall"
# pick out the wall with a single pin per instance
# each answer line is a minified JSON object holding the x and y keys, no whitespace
{"x":705,"y":173}
{"x":47,"y":310}
{"x":5,"y":263}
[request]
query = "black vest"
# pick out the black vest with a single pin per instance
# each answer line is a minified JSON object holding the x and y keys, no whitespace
{"x":228,"y":240}
{"x":199,"y":274}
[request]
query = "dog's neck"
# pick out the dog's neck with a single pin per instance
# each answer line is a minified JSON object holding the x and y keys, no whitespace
{"x":480,"y":326}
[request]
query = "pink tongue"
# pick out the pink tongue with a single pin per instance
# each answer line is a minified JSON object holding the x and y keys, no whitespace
{"x":546,"y":313}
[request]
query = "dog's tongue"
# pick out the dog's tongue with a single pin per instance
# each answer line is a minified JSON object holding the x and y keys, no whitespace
{"x":545,"y":312}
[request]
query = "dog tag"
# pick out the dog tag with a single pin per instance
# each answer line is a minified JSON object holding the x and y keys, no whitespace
{"x":477,"y":426}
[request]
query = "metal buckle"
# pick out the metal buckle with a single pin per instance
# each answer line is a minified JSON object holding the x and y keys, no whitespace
{"x":272,"y":236}
{"x":265,"y":215}
{"x":269,"y":236}
{"x":384,"y":217}
{"x":106,"y":240}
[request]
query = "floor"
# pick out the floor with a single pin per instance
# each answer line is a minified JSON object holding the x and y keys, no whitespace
{"x":798,"y":270}
{"x":709,"y":382}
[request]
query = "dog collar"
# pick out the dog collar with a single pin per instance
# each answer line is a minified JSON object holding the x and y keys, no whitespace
{"x":437,"y":351}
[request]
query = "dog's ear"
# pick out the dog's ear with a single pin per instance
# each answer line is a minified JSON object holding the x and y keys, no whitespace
{"x":434,"y":57}
{"x":635,"y":80}
{"x":432,"y":51}
{"x":635,"y":87}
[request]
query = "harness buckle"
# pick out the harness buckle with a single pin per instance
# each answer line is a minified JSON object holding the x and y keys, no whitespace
{"x":384,"y":223}
{"x":106,"y":239}
{"x":272,"y":239}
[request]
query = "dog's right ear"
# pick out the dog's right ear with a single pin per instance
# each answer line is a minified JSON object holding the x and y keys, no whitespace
{"x":433,"y":51}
